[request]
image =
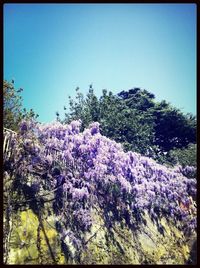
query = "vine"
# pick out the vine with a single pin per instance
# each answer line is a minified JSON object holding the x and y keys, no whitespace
{"x":75,"y":172}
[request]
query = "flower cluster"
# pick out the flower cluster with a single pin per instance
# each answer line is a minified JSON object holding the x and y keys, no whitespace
{"x":95,"y":171}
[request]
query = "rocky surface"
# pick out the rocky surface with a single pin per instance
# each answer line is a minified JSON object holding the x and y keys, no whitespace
{"x":117,"y":245}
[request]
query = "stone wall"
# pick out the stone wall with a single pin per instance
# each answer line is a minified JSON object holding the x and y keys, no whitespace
{"x":117,"y":245}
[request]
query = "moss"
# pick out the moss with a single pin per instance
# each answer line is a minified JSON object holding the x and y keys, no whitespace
{"x":24,"y":241}
{"x":115,"y":246}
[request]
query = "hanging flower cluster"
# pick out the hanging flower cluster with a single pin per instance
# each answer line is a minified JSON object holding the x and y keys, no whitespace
{"x":87,"y":170}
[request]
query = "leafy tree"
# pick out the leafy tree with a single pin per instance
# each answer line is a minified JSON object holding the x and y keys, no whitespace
{"x":117,"y":120}
{"x":136,"y":120}
{"x":173,"y":129}
{"x":77,"y":109}
{"x":138,"y":99}
{"x":125,"y":125}
{"x":185,"y":156}
{"x":13,"y":111}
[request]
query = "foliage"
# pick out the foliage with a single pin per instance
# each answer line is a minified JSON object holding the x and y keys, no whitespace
{"x":13,"y":111}
{"x":89,"y":170}
{"x":134,"y":119}
{"x":173,"y":129}
{"x":185,"y":156}
{"x":117,"y":120}
{"x":28,"y":245}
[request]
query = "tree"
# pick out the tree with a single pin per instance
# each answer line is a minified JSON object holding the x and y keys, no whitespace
{"x":138,"y":99}
{"x":185,"y":156}
{"x":173,"y":129}
{"x":136,"y":120}
{"x":117,"y":120}
{"x":13,"y":111}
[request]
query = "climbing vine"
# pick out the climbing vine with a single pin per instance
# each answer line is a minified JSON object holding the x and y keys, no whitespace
{"x":57,"y":170}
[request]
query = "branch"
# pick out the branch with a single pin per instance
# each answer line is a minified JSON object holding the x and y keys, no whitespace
{"x":46,"y":238}
{"x":37,"y":198}
{"x":93,"y":235}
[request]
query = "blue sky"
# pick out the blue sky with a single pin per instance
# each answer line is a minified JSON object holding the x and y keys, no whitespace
{"x":50,"y":49}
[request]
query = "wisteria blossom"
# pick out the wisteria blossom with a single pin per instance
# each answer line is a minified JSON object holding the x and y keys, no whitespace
{"x":87,"y":170}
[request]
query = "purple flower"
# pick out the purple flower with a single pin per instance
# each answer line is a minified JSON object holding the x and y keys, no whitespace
{"x":124,"y":183}
{"x":96,"y":170}
{"x":75,"y":126}
{"x":94,"y":128}
{"x":24,"y":126}
{"x":79,"y":194}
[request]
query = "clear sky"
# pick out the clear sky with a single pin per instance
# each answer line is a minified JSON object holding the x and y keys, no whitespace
{"x":50,"y":49}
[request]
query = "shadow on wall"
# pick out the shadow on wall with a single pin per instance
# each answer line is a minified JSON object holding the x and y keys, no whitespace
{"x":193,"y":254}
